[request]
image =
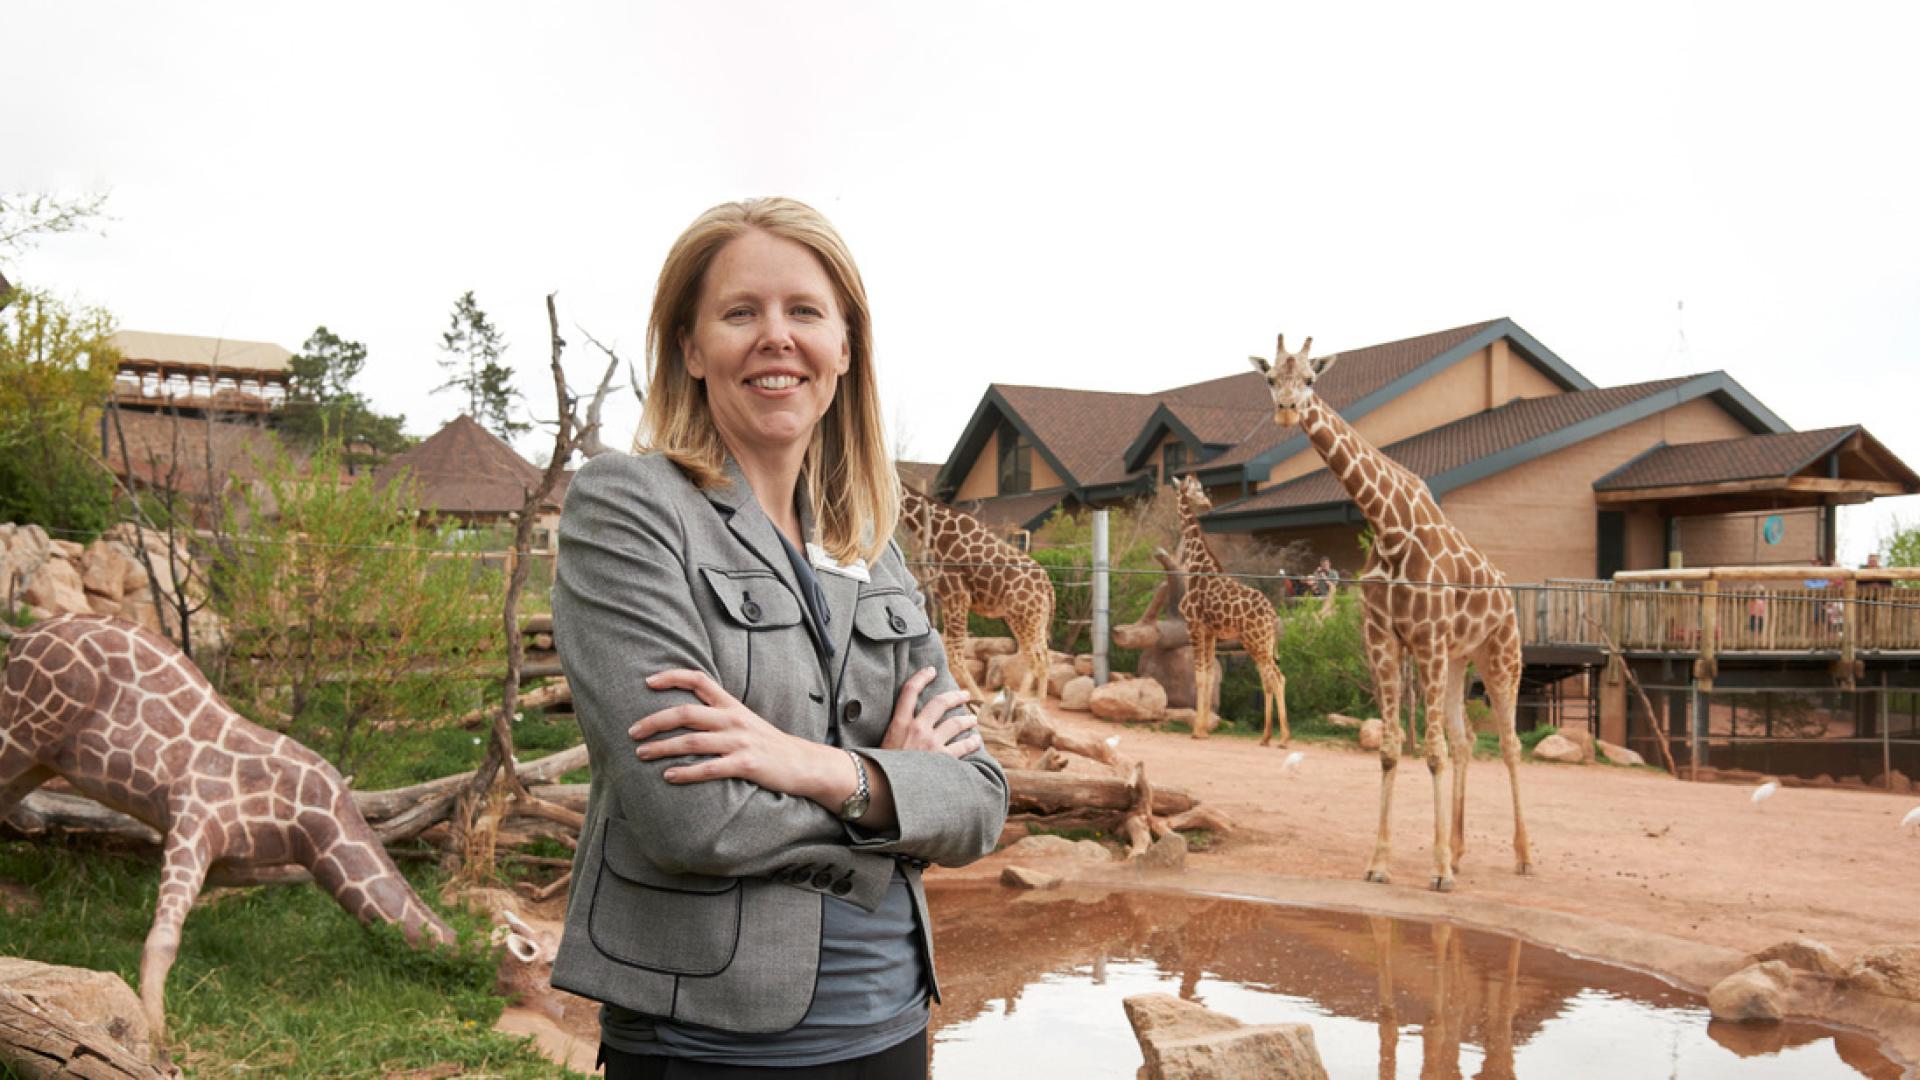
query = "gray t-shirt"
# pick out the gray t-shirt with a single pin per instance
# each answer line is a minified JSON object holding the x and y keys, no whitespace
{"x":871,"y":991}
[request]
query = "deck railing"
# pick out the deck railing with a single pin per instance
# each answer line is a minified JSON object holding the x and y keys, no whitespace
{"x":1736,"y":616}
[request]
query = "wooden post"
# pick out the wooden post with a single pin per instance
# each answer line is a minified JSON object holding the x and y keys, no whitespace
{"x":1704,"y":667}
{"x":1850,"y":616}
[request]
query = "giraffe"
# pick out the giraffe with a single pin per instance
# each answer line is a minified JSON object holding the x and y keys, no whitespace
{"x":127,"y":719}
{"x":1428,"y":593}
{"x":974,"y":570}
{"x":1216,"y":606}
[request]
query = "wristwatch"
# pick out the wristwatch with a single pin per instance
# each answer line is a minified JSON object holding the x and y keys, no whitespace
{"x":856,"y":804}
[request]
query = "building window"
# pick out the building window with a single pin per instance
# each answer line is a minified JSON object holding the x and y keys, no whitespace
{"x":1174,"y":458}
{"x":1016,"y":462}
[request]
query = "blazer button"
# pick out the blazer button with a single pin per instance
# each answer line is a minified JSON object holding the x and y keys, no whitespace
{"x":898,"y":624}
{"x":750,"y":611}
{"x":850,"y":712}
{"x":843,"y":887}
{"x":823,"y":879}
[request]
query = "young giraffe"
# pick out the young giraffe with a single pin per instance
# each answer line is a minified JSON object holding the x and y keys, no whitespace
{"x":986,"y":575}
{"x":1215,"y":607}
{"x":128,"y":720}
{"x":1427,"y":593}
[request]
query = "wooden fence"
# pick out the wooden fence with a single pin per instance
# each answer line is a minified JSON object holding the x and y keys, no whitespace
{"x":1744,"y":618}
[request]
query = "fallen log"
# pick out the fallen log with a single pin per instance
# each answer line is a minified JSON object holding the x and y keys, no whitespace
{"x":1034,"y":792}
{"x":37,"y":1042}
{"x":545,"y":697}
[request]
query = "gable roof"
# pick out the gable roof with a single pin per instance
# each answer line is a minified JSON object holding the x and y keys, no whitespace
{"x":465,"y":469}
{"x":918,"y":475}
{"x":1476,"y":447}
{"x":1773,"y":457}
{"x":1005,"y":513}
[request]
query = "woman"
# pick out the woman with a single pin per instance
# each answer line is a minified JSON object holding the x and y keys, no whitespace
{"x":777,"y":747}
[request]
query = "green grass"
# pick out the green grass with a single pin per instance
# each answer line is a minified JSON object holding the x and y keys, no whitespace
{"x":411,"y":757}
{"x":272,"y":981}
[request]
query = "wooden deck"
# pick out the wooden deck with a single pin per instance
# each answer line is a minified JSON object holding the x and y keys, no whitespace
{"x":1742,"y":618}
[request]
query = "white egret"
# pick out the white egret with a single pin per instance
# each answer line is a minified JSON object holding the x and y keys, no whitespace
{"x":1765,"y":791}
{"x":1292,"y":764}
{"x":1912,"y":820}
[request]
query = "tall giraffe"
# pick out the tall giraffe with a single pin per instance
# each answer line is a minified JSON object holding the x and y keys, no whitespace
{"x":974,"y":570}
{"x":128,"y":720}
{"x":1428,"y":594}
{"x":1216,"y":606}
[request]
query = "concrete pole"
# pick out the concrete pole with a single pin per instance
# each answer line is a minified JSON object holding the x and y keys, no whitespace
{"x":1101,"y":636}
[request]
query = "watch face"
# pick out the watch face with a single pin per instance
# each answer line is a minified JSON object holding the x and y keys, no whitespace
{"x":855,"y":806}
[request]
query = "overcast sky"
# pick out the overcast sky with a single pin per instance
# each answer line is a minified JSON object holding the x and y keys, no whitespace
{"x":1095,"y":195}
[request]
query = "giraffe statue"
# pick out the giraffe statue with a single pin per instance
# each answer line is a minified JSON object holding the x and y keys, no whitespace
{"x":128,"y":720}
{"x":1216,"y":606}
{"x":974,"y":570}
{"x":1427,"y":593}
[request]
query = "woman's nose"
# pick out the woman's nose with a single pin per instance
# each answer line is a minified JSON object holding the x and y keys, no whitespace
{"x":776,"y":333}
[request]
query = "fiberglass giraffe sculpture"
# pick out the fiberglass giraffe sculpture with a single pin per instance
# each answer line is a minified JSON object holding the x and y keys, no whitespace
{"x":1428,"y":594}
{"x":1216,"y":606}
{"x":126,"y":718}
{"x":974,"y":570}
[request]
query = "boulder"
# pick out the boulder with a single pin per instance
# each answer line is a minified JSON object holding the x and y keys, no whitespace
{"x":1136,"y":700}
{"x":1047,"y":846}
{"x":70,"y":550}
{"x":1077,"y":694}
{"x":1181,"y":716}
{"x":1581,"y":737}
{"x":1173,"y":669}
{"x":98,"y":999}
{"x":1558,"y":748}
{"x":1059,"y":676}
{"x":1342,"y":720}
{"x":1756,"y":992}
{"x":1889,"y":970}
{"x":1008,"y":669}
{"x":1619,"y":755}
{"x":1169,"y":852}
{"x":1373,"y":733}
{"x":1021,"y":877}
{"x":57,"y":587}
{"x":28,"y":547}
{"x":984,"y":647}
{"x":1803,"y":954}
{"x":1083,"y":664}
{"x":1184,"y":1041}
{"x":105,"y":570}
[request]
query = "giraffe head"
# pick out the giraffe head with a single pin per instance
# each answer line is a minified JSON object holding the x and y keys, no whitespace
{"x":1193,"y":497}
{"x":1290,"y":379}
{"x":916,"y":512}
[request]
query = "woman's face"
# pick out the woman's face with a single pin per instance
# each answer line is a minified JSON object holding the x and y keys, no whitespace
{"x":770,"y":342}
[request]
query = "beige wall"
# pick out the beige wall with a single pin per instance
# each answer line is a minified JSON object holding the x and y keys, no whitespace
{"x":1043,"y":475}
{"x":983,"y":479}
{"x":1735,"y":540}
{"x":1538,"y":520}
{"x":1483,"y":380}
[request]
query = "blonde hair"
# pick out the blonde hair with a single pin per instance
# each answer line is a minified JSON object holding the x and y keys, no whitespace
{"x":849,"y":476}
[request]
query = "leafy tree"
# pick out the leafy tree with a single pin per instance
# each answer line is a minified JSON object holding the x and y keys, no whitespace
{"x":1901,"y":542}
{"x":474,"y":351}
{"x":24,"y":217}
{"x":56,"y":371}
{"x":342,"y":612}
{"x":324,"y":406}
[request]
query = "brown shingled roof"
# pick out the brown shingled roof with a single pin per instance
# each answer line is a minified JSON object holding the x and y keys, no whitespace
{"x":465,"y":469}
{"x":1087,"y":430}
{"x":1462,"y":442}
{"x":1754,"y":457}
{"x":918,"y":475}
{"x":1005,"y":513}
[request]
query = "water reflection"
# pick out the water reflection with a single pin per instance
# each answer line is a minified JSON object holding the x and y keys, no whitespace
{"x":1035,"y":980}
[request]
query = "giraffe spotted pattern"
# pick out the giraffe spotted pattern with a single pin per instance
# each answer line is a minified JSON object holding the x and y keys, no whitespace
{"x":1216,"y":607}
{"x":976,"y":571}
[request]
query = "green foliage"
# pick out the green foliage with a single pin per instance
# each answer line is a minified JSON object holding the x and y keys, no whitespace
{"x":23,"y":217}
{"x":323,"y":405}
{"x":342,"y":612}
{"x":56,"y":370}
{"x":277,"y":980}
{"x":1901,"y":543}
{"x":416,"y":754}
{"x":1064,"y":546}
{"x":473,"y":348}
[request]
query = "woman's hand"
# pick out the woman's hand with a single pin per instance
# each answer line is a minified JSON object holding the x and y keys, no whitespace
{"x":738,"y":744}
{"x":931,"y":728}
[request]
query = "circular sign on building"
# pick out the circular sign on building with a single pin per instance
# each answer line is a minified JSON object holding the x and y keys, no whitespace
{"x":1773,"y":528}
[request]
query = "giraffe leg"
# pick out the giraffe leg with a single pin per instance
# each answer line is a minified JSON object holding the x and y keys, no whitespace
{"x":185,"y":863}
{"x":1273,"y":685}
{"x":1203,"y":659}
{"x":1436,"y":678}
{"x":1033,"y":641}
{"x":1384,"y":654}
{"x":1389,"y":1018}
{"x":19,"y":775}
{"x":953,"y":633}
{"x":1460,"y":748}
{"x":1501,"y":671}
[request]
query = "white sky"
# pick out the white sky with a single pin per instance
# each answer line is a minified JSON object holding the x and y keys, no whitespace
{"x":1098,"y":195}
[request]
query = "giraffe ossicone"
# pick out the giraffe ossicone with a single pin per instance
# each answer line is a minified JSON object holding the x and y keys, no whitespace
{"x":128,"y":720}
{"x":1427,"y":593}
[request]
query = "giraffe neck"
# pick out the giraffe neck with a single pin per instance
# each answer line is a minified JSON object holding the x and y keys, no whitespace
{"x":1194,"y":552}
{"x":1370,"y":478}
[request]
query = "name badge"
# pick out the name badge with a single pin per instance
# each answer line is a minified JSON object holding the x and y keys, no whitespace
{"x":817,"y":555}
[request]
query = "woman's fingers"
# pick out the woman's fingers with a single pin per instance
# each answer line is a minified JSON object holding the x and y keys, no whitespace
{"x":698,"y":717}
{"x":940,"y":705}
{"x":910,"y":693}
{"x":964,"y":745}
{"x":699,"y":682}
{"x":679,"y":745}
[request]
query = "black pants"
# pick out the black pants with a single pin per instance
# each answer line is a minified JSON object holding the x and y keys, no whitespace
{"x":906,"y":1060}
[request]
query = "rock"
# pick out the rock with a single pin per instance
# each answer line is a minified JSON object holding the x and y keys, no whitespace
{"x":984,"y":647}
{"x":1342,"y":720}
{"x":70,"y":550}
{"x":105,"y":572}
{"x":1021,"y":877}
{"x":1012,"y":833}
{"x":1581,"y":737}
{"x":1756,"y":992}
{"x":97,"y":998}
{"x":1083,"y":664}
{"x":1619,"y":755}
{"x":1897,"y":781}
{"x":1169,"y":852}
{"x":1059,"y":676}
{"x":57,"y":587}
{"x":1181,"y":716}
{"x":28,"y":547}
{"x":1132,"y":701}
{"x":1008,"y":669}
{"x":101,"y":605}
{"x":138,"y":609}
{"x":1558,"y":748}
{"x":1889,"y":970}
{"x":1047,"y":846}
{"x":1173,"y":669}
{"x":1077,"y":694}
{"x":1373,"y":733}
{"x":1184,"y":1041}
{"x":1803,"y":954}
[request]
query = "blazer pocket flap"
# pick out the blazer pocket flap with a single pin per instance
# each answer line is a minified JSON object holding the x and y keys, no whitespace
{"x":753,"y":598}
{"x":889,"y":616}
{"x":625,"y":857}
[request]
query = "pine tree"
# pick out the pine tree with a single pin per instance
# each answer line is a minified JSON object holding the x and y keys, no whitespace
{"x":474,"y":352}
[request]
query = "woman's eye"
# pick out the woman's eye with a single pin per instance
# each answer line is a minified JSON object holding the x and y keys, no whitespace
{"x":739,"y":313}
{"x":807,"y":310}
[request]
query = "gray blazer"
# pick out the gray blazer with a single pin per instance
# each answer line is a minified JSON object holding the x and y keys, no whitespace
{"x":700,"y":903}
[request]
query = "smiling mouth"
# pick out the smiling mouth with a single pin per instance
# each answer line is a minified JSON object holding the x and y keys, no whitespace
{"x":776,"y":382}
